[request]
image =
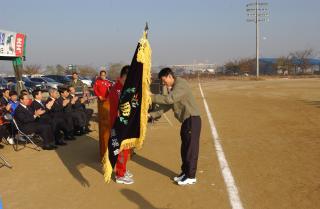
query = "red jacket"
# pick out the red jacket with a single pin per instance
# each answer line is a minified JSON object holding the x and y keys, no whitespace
{"x":101,"y":87}
{"x":114,"y":95}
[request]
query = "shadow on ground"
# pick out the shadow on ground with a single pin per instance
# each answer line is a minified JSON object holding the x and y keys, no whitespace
{"x":138,"y":199}
{"x":83,"y":152}
{"x":153,"y":166}
{"x":313,"y":103}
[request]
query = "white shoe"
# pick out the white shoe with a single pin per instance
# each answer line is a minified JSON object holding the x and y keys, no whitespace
{"x":128,"y":174}
{"x":10,"y":140}
{"x":187,"y":181}
{"x":179,"y":178}
{"x":124,"y":180}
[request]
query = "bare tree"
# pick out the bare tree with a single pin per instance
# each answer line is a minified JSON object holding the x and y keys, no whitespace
{"x":284,"y":64}
{"x":301,"y":59}
{"x":232,"y":67}
{"x":87,"y":71}
{"x":60,"y":70}
{"x":114,"y":71}
{"x":247,"y":65}
{"x":32,"y":69}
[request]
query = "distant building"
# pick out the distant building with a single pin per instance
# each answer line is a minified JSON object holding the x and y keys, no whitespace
{"x":268,"y":66}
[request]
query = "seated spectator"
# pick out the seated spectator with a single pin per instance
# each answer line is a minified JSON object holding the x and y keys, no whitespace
{"x":80,"y":106}
{"x":57,"y":124}
{"x":13,"y":101}
{"x":79,"y":118}
{"x":57,"y":114}
{"x":26,"y":120}
{"x":26,"y":92}
{"x":5,"y":127}
{"x":5,"y":97}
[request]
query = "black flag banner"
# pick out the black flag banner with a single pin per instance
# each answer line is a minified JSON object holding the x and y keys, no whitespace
{"x":130,"y":126}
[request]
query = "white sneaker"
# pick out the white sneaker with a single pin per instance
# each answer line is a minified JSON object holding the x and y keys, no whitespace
{"x":187,"y":181}
{"x":179,"y":178}
{"x":124,"y":180}
{"x":10,"y":140}
{"x":128,"y":174}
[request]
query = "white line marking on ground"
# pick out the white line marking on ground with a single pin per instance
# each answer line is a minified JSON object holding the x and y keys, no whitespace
{"x":226,"y":172}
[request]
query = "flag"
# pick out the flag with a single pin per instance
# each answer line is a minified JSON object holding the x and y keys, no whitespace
{"x":130,"y":126}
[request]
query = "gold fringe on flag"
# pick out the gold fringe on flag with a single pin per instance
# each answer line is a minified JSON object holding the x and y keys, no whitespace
{"x":144,"y":57}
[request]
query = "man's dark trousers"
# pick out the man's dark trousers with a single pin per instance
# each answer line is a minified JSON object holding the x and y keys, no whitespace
{"x":190,"y":135}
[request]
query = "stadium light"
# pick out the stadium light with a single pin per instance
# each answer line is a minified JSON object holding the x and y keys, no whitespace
{"x":257,"y":12}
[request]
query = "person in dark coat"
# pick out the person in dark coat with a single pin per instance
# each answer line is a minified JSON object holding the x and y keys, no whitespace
{"x":79,"y":106}
{"x":57,"y":124}
{"x":57,"y":114}
{"x":27,"y":123}
{"x":5,"y":97}
{"x":78,"y":118}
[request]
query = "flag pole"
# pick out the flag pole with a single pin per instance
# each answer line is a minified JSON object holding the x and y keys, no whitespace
{"x":146,"y":29}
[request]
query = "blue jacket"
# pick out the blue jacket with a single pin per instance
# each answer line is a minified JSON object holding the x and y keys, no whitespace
{"x":14,"y":105}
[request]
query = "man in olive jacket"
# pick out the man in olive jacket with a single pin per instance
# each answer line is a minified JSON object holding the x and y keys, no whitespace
{"x":182,"y":102}
{"x":77,"y":83}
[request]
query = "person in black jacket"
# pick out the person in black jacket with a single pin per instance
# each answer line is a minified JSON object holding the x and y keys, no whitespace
{"x":26,"y":120}
{"x":5,"y":97}
{"x":57,"y":114}
{"x":57,"y":124}
{"x":79,"y":106}
{"x":78,"y":118}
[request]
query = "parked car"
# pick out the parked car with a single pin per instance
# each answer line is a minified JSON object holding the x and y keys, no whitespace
{"x":30,"y":85}
{"x":86,"y":81}
{"x":58,"y":78}
{"x":3,"y":83}
{"x":50,"y":83}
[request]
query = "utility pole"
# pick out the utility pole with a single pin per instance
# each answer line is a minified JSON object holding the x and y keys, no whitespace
{"x":258,"y":12}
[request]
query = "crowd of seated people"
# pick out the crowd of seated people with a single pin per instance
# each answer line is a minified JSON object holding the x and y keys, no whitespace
{"x":60,"y":118}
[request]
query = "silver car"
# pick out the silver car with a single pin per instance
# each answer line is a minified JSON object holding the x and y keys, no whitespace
{"x":50,"y":83}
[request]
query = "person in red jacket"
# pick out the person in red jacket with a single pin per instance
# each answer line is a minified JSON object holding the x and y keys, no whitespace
{"x":102,"y":85}
{"x":101,"y":90}
{"x":123,"y":176}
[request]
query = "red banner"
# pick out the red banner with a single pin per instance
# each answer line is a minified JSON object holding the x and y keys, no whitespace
{"x":19,"y":44}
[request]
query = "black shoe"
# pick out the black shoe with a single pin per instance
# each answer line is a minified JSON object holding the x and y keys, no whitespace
{"x":83,"y":132}
{"x":77,"y":133}
{"x":61,"y":143}
{"x":49,"y":147}
{"x":88,"y":130}
{"x":69,"y":138}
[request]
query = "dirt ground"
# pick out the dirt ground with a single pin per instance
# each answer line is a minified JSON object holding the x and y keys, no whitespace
{"x":269,"y":131}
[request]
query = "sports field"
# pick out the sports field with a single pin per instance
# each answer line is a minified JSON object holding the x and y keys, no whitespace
{"x":269,"y":135}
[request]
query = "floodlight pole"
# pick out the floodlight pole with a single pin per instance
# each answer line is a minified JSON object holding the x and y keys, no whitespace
{"x":259,"y":11}
{"x":257,"y":39}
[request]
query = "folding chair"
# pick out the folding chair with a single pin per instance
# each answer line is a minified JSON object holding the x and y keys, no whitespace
{"x":5,"y":162}
{"x":27,"y":137}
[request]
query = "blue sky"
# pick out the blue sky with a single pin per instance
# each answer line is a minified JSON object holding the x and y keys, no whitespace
{"x":98,"y":32}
